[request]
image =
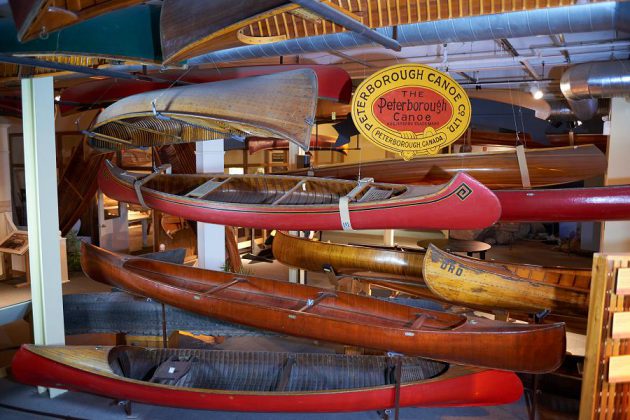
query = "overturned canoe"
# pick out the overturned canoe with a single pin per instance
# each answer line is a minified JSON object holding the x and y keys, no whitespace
{"x":280,"y":105}
{"x":566,"y":204}
{"x":321,"y":142}
{"x":333,"y":84}
{"x":479,"y":283}
{"x":295,"y":203}
{"x":261,"y":381}
{"x":534,"y":288}
{"x":319,"y":314}
{"x":496,"y":170}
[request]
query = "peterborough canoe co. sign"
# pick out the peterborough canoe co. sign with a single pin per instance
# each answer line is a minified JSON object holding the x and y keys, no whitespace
{"x":411,"y":109}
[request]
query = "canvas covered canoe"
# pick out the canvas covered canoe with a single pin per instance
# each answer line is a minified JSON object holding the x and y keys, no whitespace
{"x":529,"y":288}
{"x":333,"y":84}
{"x":261,"y":381}
{"x":473,"y":282}
{"x":338,"y":317}
{"x":496,"y":170}
{"x":280,"y":105}
{"x":295,"y":203}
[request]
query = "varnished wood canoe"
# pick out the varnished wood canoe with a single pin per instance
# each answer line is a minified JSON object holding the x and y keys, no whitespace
{"x":294,"y":203}
{"x":339,"y":317}
{"x":321,"y":142}
{"x":563,"y":290}
{"x":479,"y":283}
{"x":260,"y":381}
{"x":567,"y":204}
{"x":334,"y":84}
{"x":496,"y":170}
{"x":280,"y":105}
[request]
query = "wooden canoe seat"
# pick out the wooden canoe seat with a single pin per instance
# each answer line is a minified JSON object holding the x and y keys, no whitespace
{"x":224,"y":286}
{"x":207,"y":187}
{"x":360,"y":187}
{"x":310,"y":303}
{"x":288,"y":193}
{"x":376,"y":194}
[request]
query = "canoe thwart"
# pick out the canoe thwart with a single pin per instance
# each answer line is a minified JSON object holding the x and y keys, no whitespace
{"x":290,"y":191}
{"x":224,"y":286}
{"x":310,"y":303}
{"x":207,"y":187}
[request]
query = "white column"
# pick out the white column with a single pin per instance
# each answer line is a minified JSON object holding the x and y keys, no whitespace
{"x":388,"y":237}
{"x":42,"y":214}
{"x":616,"y":235}
{"x":210,"y":238}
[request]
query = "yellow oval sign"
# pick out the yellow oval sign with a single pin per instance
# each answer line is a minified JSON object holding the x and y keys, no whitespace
{"x":411,"y":109}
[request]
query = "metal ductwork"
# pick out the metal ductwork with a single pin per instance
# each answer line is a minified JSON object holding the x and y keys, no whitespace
{"x":584,"y":84}
{"x":548,"y":21}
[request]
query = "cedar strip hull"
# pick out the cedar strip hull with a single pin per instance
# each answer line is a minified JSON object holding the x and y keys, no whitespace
{"x":463,"y":203}
{"x":563,"y":205}
{"x":281,"y":105}
{"x":86,"y":370}
{"x":476,"y":283}
{"x":496,"y":170}
{"x":187,"y":27}
{"x":517,"y":287}
{"x":345,"y":318}
{"x":334,"y":84}
{"x":256,"y":144}
{"x":346,"y":259}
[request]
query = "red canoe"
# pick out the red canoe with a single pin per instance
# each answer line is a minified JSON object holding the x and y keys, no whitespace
{"x":298,"y":203}
{"x":252,"y":381}
{"x":318,"y":142}
{"x":334,"y":84}
{"x":563,"y":205}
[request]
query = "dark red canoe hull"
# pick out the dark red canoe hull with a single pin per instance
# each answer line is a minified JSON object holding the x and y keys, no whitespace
{"x":487,"y":387}
{"x":563,"y":205}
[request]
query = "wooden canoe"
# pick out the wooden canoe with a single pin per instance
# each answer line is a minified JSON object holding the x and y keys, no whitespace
{"x":567,"y":204}
{"x":280,"y":105}
{"x":296,"y":203}
{"x":569,"y":286}
{"x":496,"y":170}
{"x":479,"y":283}
{"x":319,"y":314}
{"x":334,"y":84}
{"x":38,"y":18}
{"x":321,"y":142}
{"x":189,"y":33}
{"x":260,"y":381}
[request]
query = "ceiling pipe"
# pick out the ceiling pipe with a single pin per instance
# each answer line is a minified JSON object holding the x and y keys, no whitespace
{"x":584,"y":84}
{"x":330,"y":13}
{"x":547,"y":21}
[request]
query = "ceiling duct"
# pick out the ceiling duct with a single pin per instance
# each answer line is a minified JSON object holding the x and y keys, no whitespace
{"x":547,"y":21}
{"x":584,"y":84}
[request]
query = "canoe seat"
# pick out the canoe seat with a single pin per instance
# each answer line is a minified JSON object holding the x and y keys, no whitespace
{"x":224,"y":286}
{"x":376,"y":194}
{"x":171,"y":371}
{"x":206,"y":188}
